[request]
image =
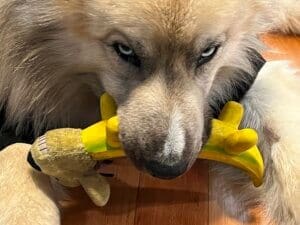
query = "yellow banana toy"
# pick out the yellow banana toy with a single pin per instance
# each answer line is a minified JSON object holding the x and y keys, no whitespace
{"x":71,"y":154}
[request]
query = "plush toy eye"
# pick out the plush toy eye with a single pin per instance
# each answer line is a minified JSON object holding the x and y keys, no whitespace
{"x":127,"y":54}
{"x":207,"y":55}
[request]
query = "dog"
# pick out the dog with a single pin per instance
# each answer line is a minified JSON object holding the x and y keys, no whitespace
{"x":171,"y":65}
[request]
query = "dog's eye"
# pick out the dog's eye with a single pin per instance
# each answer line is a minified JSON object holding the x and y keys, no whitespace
{"x":127,"y":54}
{"x":125,"y":50}
{"x":207,"y":55}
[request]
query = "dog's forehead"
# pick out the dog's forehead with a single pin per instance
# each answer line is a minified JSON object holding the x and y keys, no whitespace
{"x":174,"y":17}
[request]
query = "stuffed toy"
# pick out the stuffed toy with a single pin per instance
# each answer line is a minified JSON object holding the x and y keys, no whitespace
{"x":70,"y":155}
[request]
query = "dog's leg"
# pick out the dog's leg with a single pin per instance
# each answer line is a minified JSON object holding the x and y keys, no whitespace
{"x":26,"y":197}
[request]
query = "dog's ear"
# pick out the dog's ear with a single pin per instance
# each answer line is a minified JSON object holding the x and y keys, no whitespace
{"x":232,"y":83}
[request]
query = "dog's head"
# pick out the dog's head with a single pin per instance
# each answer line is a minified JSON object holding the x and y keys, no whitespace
{"x":169,"y":64}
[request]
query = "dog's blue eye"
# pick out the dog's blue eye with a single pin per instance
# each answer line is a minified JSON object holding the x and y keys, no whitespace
{"x":208,"y":52}
{"x":125,"y":50}
{"x":207,"y":55}
{"x":127,"y":54}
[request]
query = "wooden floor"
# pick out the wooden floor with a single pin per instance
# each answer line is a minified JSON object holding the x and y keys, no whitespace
{"x":138,"y":199}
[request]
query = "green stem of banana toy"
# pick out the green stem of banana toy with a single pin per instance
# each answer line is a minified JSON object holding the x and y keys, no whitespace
{"x":226,"y":144}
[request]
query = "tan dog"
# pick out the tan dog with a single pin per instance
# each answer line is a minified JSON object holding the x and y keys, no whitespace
{"x":170,"y":65}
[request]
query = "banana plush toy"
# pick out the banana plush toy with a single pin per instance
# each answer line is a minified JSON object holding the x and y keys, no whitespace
{"x":70,"y":155}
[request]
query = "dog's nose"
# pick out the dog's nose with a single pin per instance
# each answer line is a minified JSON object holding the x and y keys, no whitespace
{"x":160,"y":170}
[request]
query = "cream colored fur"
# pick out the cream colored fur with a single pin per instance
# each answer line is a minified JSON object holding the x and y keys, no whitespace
{"x":279,"y":91}
{"x":26,"y":197}
{"x":271,"y":103}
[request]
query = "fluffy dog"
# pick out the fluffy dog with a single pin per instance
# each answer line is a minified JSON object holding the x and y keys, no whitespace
{"x":171,"y":65}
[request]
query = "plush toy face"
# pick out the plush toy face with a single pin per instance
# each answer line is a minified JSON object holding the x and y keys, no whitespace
{"x":61,"y":154}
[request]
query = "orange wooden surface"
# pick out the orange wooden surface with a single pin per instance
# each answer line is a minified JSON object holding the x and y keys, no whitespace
{"x":283,"y":47}
{"x":180,"y":201}
{"x":137,"y":199}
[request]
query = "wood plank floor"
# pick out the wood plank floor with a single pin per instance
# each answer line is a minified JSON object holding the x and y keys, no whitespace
{"x":138,"y":199}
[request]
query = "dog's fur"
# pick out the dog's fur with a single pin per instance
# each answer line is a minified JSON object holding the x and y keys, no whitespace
{"x":56,"y":58}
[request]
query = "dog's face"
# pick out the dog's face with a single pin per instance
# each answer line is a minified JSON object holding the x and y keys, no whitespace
{"x":164,"y":61}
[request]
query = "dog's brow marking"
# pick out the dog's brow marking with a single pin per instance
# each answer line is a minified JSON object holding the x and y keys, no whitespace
{"x":175,"y":142}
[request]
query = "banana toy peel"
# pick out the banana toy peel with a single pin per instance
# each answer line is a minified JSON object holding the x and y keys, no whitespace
{"x":229,"y":145}
{"x":70,"y":155}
